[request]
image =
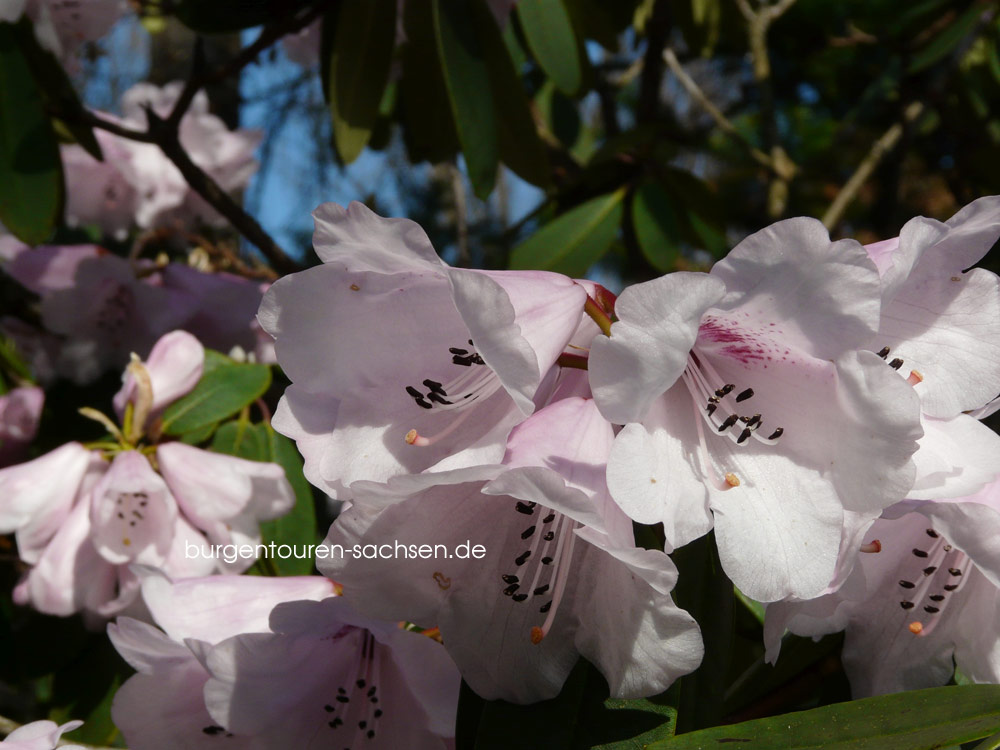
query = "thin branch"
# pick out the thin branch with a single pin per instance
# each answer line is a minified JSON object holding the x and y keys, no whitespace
{"x":876,"y":153}
{"x":202,"y":183}
{"x":758,"y":24}
{"x":716,"y":114}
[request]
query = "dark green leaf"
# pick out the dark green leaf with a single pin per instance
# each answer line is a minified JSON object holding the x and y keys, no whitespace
{"x":657,"y":227}
{"x":241,"y":439}
{"x":220,"y":393}
{"x":199,"y":435}
{"x":298,"y":526}
{"x":947,"y":40}
{"x":519,"y":144}
{"x":467,"y":79}
{"x":359,"y":70}
{"x":916,"y":720}
{"x":704,"y":590}
{"x":428,"y":127}
{"x":31,"y":180}
{"x":574,"y":241}
{"x":560,"y":114}
{"x":548,"y":29}
{"x":224,"y":16}
{"x":57,"y":90}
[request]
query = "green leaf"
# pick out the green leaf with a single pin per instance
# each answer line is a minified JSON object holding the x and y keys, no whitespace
{"x":467,"y":79}
{"x":298,"y":526}
{"x":425,"y":110}
{"x":704,"y":590}
{"x":548,"y":29}
{"x":574,"y":241}
{"x":221,"y":392}
{"x":199,"y":435}
{"x":560,"y":114}
{"x":947,"y":40}
{"x":520,"y":147}
{"x":359,"y":71}
{"x":57,"y":90}
{"x":31,"y":179}
{"x":224,"y":16}
{"x":657,"y":227}
{"x":915,"y":720}
{"x":240,"y":438}
{"x":579,"y":718}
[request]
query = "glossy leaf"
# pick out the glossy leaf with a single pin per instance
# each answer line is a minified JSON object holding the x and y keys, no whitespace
{"x":298,"y":526}
{"x":31,"y":180}
{"x":359,"y":71}
{"x":467,"y":79}
{"x":657,"y":227}
{"x":425,"y":110}
{"x":518,"y":141}
{"x":220,"y":393}
{"x":552,"y":40}
{"x":575,"y":240}
{"x":943,"y":44}
{"x":915,"y":720}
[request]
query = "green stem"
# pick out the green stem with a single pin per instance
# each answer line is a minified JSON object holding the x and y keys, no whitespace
{"x":598,"y":315}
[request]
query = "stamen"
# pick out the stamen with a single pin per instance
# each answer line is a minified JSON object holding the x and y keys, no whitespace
{"x":896,"y":363}
{"x":916,"y":628}
{"x":915,"y":377}
{"x":884,"y":352}
{"x":872,"y":547}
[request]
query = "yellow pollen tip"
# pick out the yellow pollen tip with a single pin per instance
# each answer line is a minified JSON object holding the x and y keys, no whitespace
{"x":126,"y":541}
{"x":916,"y":628}
{"x":732,"y":480}
{"x":355,"y":288}
{"x":338,"y":589}
{"x":411,"y":437}
{"x":915,"y":377}
{"x":536,"y":635}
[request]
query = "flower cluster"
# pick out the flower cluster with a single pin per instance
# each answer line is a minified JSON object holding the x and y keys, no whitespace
{"x":96,"y":308}
{"x":82,"y":514}
{"x":803,"y":397}
{"x":137,"y":182}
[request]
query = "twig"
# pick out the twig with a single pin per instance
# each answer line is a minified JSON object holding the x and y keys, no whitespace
{"x":878,"y":151}
{"x":758,"y":23}
{"x":168,"y":139}
{"x":716,"y":114}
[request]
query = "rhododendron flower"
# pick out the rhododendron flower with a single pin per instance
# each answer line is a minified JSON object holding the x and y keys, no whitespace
{"x":327,"y":677}
{"x":173,"y":368}
{"x":100,"y":192}
{"x":61,"y":26}
{"x":561,"y":576}
{"x":926,"y":602}
{"x":400,"y":363}
{"x":82,"y":517}
{"x":40,"y":735}
{"x":267,"y":662}
{"x":749,"y":406}
{"x":20,"y":410}
{"x":163,"y":706}
{"x":940,"y":322}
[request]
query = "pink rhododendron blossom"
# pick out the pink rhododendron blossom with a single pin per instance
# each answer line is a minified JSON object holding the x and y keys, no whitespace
{"x":20,"y":410}
{"x":137,"y":182}
{"x":917,"y":608}
{"x":269,"y":662}
{"x":40,"y":735}
{"x":939,"y":320}
{"x":104,"y":308}
{"x":400,"y":363}
{"x":82,"y":517}
{"x":560,"y":577}
{"x":61,"y":26}
{"x":750,"y":405}
{"x":174,"y":367}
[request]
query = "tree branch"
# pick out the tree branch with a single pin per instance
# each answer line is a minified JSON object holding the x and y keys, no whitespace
{"x":778,"y":168}
{"x":758,"y":23}
{"x":876,"y":153}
